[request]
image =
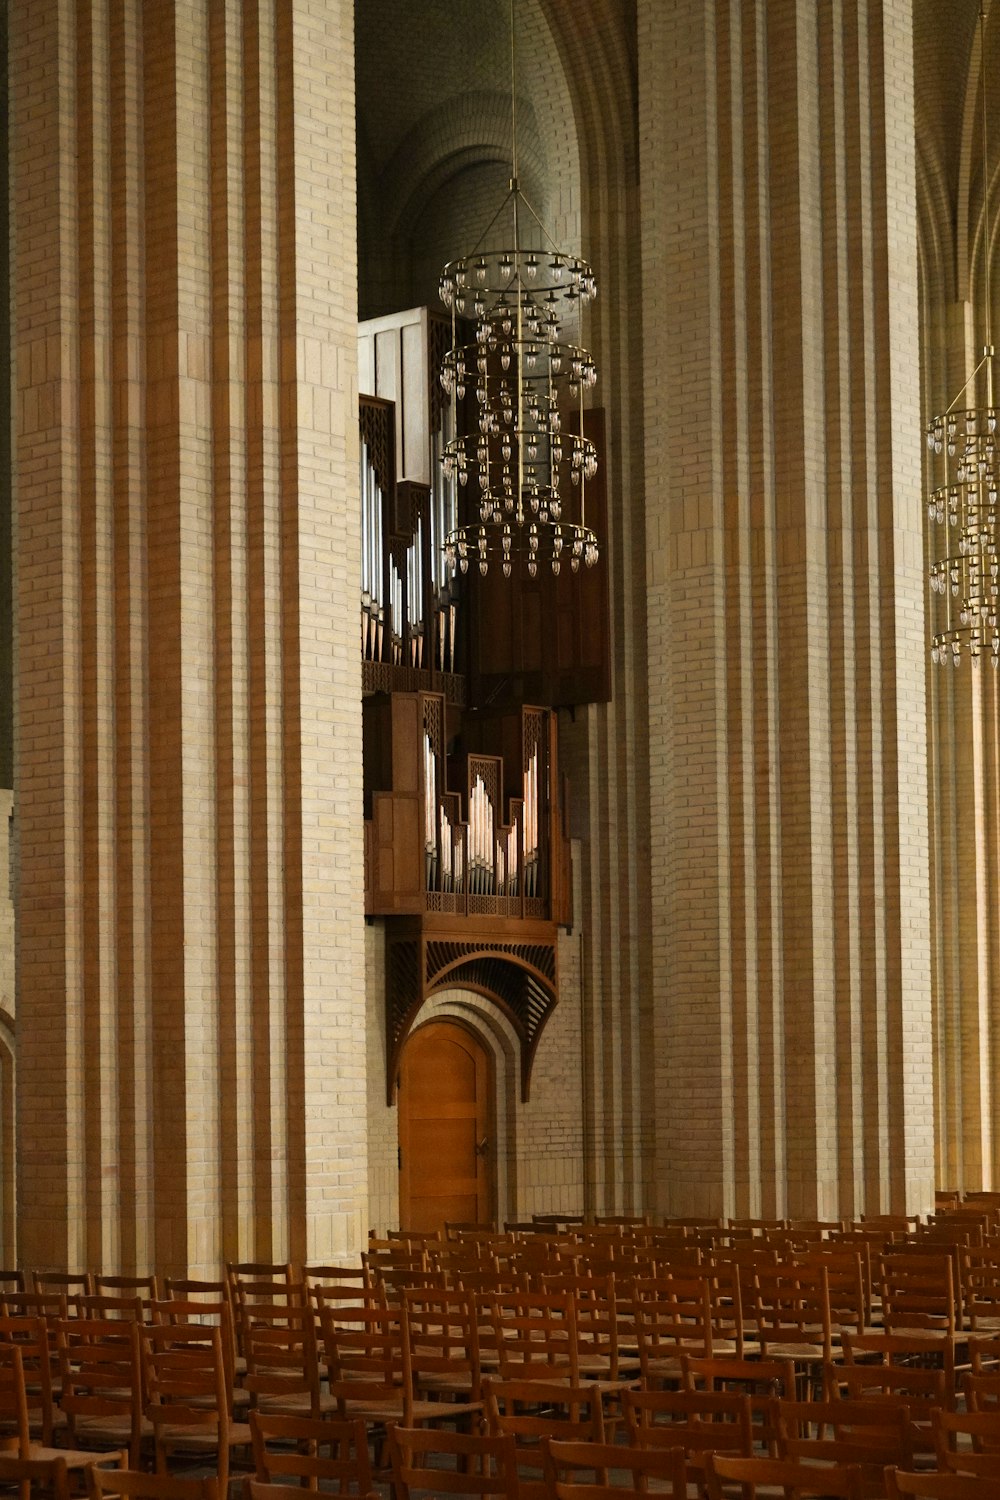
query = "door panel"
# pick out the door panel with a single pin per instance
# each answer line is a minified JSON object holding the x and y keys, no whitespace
{"x":445,"y":1109}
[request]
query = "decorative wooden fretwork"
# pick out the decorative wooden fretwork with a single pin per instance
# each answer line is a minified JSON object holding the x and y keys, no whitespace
{"x":424,"y":959}
{"x":376,"y":423}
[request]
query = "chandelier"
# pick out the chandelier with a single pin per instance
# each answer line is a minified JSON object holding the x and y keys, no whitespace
{"x":962,"y":497}
{"x":518,"y":390}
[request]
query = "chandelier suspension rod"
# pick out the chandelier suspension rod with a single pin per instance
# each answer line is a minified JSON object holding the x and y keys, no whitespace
{"x":988,"y":352}
{"x":513,"y":112}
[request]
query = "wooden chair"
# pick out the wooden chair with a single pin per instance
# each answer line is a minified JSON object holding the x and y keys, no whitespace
{"x":602,"y":1471}
{"x":600,"y":1355}
{"x":792,"y":1479}
{"x":918,"y":1389}
{"x":100,"y":1371}
{"x":979,"y":1270}
{"x":452,"y":1463}
{"x":791,"y":1311}
{"x":316,"y":1454}
{"x":530,"y":1410}
{"x":130,"y":1484}
{"x":11,"y":1281}
{"x":443,"y":1334}
{"x":14,"y":1423}
{"x":282,"y":1361}
{"x":848,"y":1284}
{"x":673,"y":1317}
{"x":698,"y":1422}
{"x":188,"y":1402}
{"x":40,"y":1363}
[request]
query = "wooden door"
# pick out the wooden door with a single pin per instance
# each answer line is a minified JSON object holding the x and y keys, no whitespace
{"x":445,"y":1145}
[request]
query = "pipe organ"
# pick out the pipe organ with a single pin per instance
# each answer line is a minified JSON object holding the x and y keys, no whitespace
{"x":497,"y":849}
{"x":467,"y":855}
{"x":409,"y":599}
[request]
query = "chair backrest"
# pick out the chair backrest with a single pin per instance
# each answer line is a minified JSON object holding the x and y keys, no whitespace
{"x":367,"y":1355}
{"x":699,"y":1422}
{"x":199,"y":1311}
{"x":532,"y":1410}
{"x":443,"y":1462}
{"x":760,"y":1380}
{"x":50,"y":1306}
{"x":792,"y":1479}
{"x":443,"y":1335}
{"x":33,"y":1474}
{"x":672,"y":1314}
{"x":13,"y":1399}
{"x":968,"y":1442}
{"x":792,"y":1303}
{"x":187,"y":1290}
{"x":534,"y":1335}
{"x":309,"y":1450}
{"x":80,"y":1282}
{"x":106,"y":1484}
{"x":184,"y":1374}
{"x":592,"y":1471}
{"x":146,"y":1287}
{"x":982,"y":1392}
{"x":12,"y":1281}
{"x":844,"y":1432}
{"x":940,"y":1486}
{"x":105,"y":1305}
{"x":258,"y":1270}
{"x":919,"y":1290}
{"x":931,"y":1348}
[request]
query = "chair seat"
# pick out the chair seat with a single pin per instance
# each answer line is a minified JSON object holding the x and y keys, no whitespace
{"x":298,"y":1404}
{"x":73,"y":1458}
{"x":114,"y":1430}
{"x":196,"y":1438}
{"x":801,"y":1353}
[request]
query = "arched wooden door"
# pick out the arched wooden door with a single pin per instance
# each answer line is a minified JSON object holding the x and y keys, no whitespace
{"x":445,"y":1114}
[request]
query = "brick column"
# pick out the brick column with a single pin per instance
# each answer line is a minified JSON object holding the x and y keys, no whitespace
{"x":790,"y":881}
{"x":188,"y":738}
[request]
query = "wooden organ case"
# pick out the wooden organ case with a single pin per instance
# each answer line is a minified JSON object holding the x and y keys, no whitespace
{"x":466,"y":815}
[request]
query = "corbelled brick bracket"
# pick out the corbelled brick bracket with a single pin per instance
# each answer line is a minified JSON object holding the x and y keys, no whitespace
{"x":511,"y":964}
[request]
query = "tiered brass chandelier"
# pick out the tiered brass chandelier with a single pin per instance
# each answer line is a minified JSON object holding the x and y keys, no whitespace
{"x":962,"y":498}
{"x":518,"y":392}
